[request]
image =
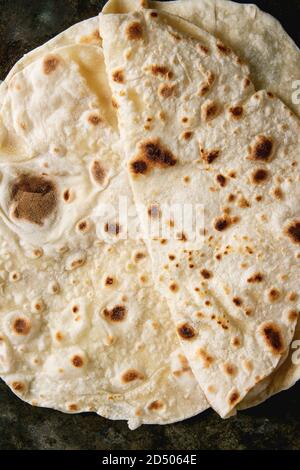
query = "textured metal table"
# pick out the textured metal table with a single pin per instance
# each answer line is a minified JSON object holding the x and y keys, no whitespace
{"x":25,"y":24}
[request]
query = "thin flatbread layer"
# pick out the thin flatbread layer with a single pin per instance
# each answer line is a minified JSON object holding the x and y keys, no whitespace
{"x":76,"y":334}
{"x":259,"y":39}
{"x":85,"y":32}
{"x":218,"y":147}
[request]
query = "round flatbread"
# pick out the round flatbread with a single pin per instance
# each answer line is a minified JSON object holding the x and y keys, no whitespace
{"x":81,"y":327}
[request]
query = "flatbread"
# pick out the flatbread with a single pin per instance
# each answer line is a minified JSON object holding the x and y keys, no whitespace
{"x":85,"y":32}
{"x":259,"y":39}
{"x":81,"y":326}
{"x":232,"y":153}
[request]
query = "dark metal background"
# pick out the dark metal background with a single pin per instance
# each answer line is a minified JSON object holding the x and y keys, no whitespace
{"x":24,"y":25}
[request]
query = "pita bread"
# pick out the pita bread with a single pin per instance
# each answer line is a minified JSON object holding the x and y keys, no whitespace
{"x":237,"y":146}
{"x":82,"y":328}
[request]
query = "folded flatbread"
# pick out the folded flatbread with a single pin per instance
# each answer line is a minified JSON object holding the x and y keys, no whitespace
{"x":81,"y":326}
{"x":259,"y":39}
{"x":195,"y":131}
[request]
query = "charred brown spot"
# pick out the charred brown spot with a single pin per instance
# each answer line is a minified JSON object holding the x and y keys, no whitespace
{"x":222,"y":223}
{"x":18,"y":386}
{"x":231,"y":198}
{"x":98,"y":172}
{"x":236,"y":342}
{"x":34,"y":198}
{"x":156,"y":405}
{"x":237,"y":301}
{"x":181,"y":236}
{"x":273,"y":294}
{"x":139,"y":167}
{"x":236,"y":112}
{"x":277,"y":193}
{"x":59,"y":336}
{"x":153,"y":14}
{"x":166,"y":90}
{"x":221,"y":180}
{"x":118,"y":76}
{"x":292,"y":296}
{"x":21,"y":326}
{"x":262,"y":149}
{"x":187,"y":135}
{"x":50,"y":64}
{"x":230,"y":369}
{"x":94,"y":119}
{"x":174,"y":287}
{"x":139,"y":256}
{"x":259,"y":176}
{"x":161,"y":70}
{"x":234,"y":397}
{"x":116,"y":314}
{"x":132,"y":375}
{"x":83,"y":226}
{"x":186,"y":332}
{"x":256,"y":278}
{"x":293,"y":315}
{"x":209,"y":111}
{"x":73,"y":407}
{"x":203,"y":49}
{"x":206,"y":274}
{"x":223,"y":49}
{"x":109,"y":281}
{"x":77,"y":263}
{"x":154,"y":211}
{"x":293,"y":231}
{"x":143,"y":279}
{"x":156,"y":154}
{"x":38,"y":252}
{"x":206,"y":86}
{"x":75,"y":309}
{"x":248,"y":365}
{"x":243,"y":203}
{"x":77,"y":361}
{"x":273,"y":337}
{"x":134,"y":31}
{"x":209,"y":156}
{"x":15,"y":276}
{"x":112,"y":228}
{"x":67,"y":195}
{"x":206,"y":358}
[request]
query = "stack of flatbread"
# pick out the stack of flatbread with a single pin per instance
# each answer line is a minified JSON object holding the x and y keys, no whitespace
{"x":112,"y":135}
